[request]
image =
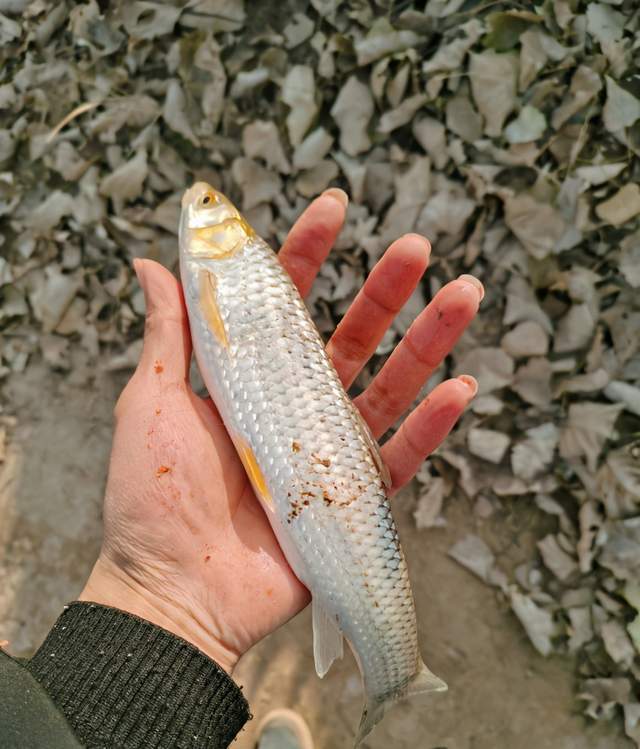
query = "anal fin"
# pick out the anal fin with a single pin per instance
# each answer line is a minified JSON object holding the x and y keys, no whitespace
{"x":425,"y":681}
{"x":327,"y":638}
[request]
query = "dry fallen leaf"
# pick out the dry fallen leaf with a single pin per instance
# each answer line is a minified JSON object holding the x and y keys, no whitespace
{"x":622,"y":206}
{"x":588,"y":427}
{"x":261,"y":139}
{"x":529,"y":125}
{"x":298,"y":92}
{"x":487,"y":444}
{"x":539,"y":226}
{"x":494,"y":79}
{"x":474,"y":554}
{"x":352,"y":111}
{"x":534,"y":454}
{"x":427,"y":512}
{"x":492,"y":367}
{"x":556,"y":558}
{"x":126,"y":182}
{"x":537,"y":621}
{"x":526,"y":339}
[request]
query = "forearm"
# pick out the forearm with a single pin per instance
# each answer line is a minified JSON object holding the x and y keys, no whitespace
{"x":123,"y":682}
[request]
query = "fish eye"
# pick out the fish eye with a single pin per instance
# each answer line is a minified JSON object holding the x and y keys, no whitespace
{"x":207,"y":198}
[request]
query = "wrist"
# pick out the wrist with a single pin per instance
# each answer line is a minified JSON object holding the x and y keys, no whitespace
{"x":110,"y":586}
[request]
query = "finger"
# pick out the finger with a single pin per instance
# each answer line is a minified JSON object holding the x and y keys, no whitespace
{"x":166,"y":352}
{"x":388,"y":287}
{"x":312,"y":237}
{"x":430,"y":338}
{"x":425,"y":428}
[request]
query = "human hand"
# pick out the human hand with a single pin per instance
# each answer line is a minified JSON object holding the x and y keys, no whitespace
{"x":186,"y":543}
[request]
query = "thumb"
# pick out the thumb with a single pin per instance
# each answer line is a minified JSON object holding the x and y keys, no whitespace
{"x":167,"y":341}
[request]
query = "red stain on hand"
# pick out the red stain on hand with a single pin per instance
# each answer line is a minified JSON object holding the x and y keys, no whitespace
{"x":162,"y":469}
{"x":158,"y":411}
{"x":269,"y":592}
{"x":207,"y":558}
{"x":158,"y":367}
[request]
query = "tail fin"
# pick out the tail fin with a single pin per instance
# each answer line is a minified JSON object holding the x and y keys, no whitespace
{"x":374,"y":709}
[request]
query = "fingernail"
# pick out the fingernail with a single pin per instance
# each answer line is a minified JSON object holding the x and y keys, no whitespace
{"x":471,"y":383}
{"x":474,"y":282}
{"x":337,"y":194}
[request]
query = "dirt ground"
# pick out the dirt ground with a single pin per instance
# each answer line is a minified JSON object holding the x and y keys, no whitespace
{"x":502,"y":694}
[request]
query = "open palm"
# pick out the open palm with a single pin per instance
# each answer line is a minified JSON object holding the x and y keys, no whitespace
{"x":186,"y":543}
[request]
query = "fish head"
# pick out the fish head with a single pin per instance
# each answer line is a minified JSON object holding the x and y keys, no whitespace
{"x":210,"y":225}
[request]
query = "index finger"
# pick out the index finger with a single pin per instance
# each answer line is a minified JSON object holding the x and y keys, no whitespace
{"x":312,"y":237}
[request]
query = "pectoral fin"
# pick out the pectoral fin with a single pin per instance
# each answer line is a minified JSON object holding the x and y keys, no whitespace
{"x":209,"y":306}
{"x":327,"y":638}
{"x":374,"y":448}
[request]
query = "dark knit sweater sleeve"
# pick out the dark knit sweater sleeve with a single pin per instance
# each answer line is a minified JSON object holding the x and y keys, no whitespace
{"x":123,"y":682}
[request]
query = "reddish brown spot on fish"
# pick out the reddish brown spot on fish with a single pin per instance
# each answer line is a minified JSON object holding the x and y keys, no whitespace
{"x":322,"y":461}
{"x":295,"y":510}
{"x":207,"y":558}
{"x":162,"y":470}
{"x":158,"y":367}
{"x":295,"y":447}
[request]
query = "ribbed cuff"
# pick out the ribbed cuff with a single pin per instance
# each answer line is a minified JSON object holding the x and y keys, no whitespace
{"x":123,"y":682}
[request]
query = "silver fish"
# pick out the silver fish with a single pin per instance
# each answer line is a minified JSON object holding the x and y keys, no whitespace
{"x":311,"y":458}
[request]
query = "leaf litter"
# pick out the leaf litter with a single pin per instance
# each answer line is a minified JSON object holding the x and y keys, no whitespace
{"x":509,"y":136}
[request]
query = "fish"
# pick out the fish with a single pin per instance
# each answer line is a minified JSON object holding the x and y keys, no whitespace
{"x":312,"y":460}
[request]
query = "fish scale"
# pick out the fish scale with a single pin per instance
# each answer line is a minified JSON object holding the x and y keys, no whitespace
{"x":284,"y":406}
